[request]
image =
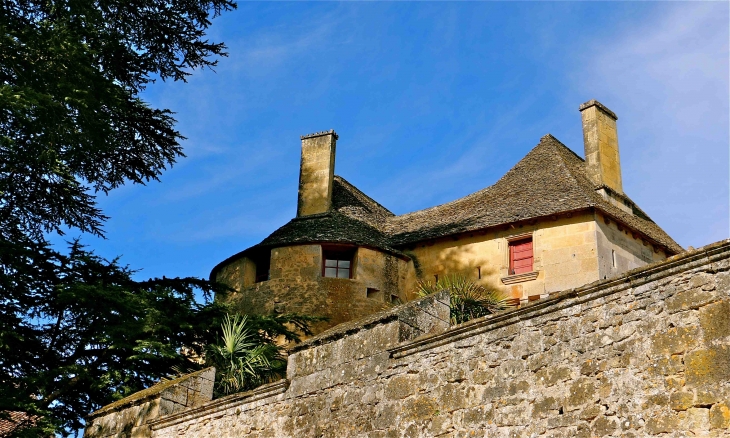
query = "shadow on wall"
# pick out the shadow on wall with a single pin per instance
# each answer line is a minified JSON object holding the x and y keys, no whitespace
{"x":462,"y":261}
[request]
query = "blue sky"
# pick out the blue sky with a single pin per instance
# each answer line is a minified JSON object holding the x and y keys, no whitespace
{"x":432,"y":101}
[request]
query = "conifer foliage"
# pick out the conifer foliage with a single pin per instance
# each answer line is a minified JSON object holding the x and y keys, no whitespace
{"x":77,"y":331}
{"x":71,"y":119}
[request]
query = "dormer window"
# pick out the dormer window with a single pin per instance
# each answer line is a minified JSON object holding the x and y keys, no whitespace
{"x":337,"y":262}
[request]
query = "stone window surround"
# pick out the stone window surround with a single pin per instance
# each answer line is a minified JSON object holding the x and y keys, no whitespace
{"x":339,"y":250}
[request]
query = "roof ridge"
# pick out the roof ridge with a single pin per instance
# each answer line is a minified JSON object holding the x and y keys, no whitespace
{"x":478,"y":192}
{"x":552,"y":137}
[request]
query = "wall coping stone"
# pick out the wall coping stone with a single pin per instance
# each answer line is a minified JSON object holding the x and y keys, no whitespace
{"x":264,"y":391}
{"x":569,"y":298}
{"x":145,"y":395}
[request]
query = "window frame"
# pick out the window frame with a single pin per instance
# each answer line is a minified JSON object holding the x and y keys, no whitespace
{"x":339,"y":254}
{"x":513,"y":243}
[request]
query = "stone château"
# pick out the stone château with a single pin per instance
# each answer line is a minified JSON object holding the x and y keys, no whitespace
{"x":555,"y":221}
{"x":619,"y":331}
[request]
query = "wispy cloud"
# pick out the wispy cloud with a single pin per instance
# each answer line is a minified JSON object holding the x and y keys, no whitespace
{"x":668,"y":81}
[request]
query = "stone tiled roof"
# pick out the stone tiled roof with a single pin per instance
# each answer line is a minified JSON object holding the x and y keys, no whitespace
{"x":330,"y":227}
{"x":349,"y":200}
{"x":550,"y":180}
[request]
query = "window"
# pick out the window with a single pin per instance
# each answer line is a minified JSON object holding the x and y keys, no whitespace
{"x":337,"y":262}
{"x":520,"y":256}
{"x":263,"y":265}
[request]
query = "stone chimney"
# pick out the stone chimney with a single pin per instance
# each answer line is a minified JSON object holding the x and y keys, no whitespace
{"x":316,"y":173}
{"x":601,"y":145}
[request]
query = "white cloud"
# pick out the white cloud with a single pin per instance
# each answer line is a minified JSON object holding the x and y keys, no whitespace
{"x":668,"y":81}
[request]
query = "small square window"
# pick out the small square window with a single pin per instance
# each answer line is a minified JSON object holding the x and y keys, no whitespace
{"x":337,"y":262}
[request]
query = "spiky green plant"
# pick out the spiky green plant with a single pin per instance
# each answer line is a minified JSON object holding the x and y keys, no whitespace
{"x":469,"y":299}
{"x":244,"y":358}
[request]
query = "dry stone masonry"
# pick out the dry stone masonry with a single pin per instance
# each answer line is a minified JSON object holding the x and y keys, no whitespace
{"x":131,"y":417}
{"x":645,"y":354}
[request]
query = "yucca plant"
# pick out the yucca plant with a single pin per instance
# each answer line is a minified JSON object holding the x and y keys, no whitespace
{"x":245,"y":358}
{"x":469,"y":299}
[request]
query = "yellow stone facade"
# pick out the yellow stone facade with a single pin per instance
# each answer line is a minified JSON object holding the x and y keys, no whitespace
{"x":583,"y":229}
{"x":568,"y":252}
{"x":296,"y":285}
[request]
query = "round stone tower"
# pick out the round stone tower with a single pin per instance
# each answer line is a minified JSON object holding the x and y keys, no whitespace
{"x":331,"y":260}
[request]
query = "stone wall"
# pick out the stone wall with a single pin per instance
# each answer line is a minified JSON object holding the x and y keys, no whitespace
{"x":645,"y":354}
{"x":565,"y":256}
{"x":620,"y":249}
{"x":296,"y":285}
{"x":131,"y":416}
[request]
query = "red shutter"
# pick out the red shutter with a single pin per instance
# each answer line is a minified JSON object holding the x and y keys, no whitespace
{"x":520,"y":256}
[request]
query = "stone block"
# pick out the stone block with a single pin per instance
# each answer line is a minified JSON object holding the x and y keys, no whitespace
{"x":697,"y":419}
{"x":591,"y":412}
{"x":551,"y":375}
{"x":419,"y":407}
{"x":689,"y":299}
{"x":400,"y":387}
{"x":662,"y":423}
{"x":527,"y":344}
{"x":582,"y":391}
{"x":674,"y":341}
{"x":715,"y":320}
{"x":177,"y":394}
{"x":707,"y":367}
{"x":719,"y":416}
{"x":543,"y":407}
{"x":681,"y":401}
{"x":604,"y":426}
